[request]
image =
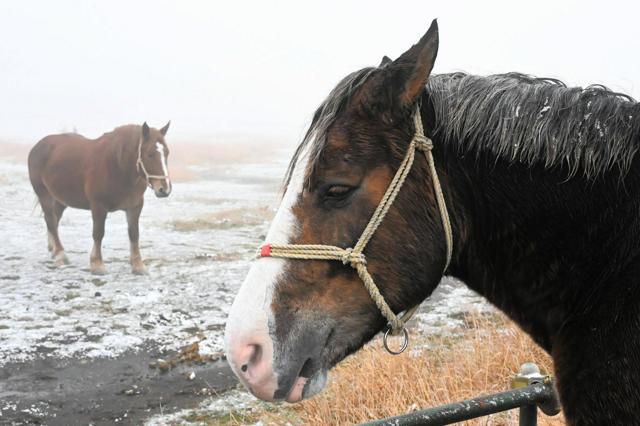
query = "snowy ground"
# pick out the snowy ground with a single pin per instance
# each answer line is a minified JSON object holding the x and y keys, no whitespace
{"x":198,"y":245}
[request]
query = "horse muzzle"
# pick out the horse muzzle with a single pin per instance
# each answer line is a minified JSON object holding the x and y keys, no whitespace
{"x":162,"y":192}
{"x":286,"y":365}
{"x":292,"y":377}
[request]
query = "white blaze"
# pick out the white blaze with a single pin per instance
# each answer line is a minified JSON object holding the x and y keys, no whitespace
{"x":251,"y":309}
{"x":163,"y":161}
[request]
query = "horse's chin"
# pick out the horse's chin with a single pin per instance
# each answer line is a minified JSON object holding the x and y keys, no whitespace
{"x":305,"y":388}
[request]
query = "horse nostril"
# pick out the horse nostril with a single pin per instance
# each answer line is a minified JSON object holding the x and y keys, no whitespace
{"x":250,"y":359}
{"x":162,"y":192}
{"x":256,"y":355}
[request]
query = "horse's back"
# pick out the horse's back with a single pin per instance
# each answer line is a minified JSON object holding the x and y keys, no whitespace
{"x":62,"y":144}
{"x":56,"y":165}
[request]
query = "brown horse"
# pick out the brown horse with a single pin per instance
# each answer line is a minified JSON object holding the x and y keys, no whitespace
{"x":103,"y":175}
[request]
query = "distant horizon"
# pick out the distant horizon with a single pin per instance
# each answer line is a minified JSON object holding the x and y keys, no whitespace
{"x":283,"y":140}
{"x":260,"y":69}
{"x":191,"y":138}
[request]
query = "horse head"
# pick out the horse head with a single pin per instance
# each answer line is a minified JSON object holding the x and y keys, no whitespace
{"x":152,"y":164}
{"x":293,"y":320}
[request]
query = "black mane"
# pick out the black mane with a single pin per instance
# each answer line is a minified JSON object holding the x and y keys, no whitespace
{"x":537,"y":121}
{"x":514,"y":116}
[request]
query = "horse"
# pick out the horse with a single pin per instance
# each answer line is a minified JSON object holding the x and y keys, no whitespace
{"x":103,"y":175}
{"x":541,"y":185}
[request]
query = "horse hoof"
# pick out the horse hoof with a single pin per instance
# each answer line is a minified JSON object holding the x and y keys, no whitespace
{"x":98,"y":270}
{"x":139,"y":270}
{"x":61,"y":259}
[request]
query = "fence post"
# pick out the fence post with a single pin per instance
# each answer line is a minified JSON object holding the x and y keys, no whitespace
{"x":528,"y":415}
{"x":528,"y":375}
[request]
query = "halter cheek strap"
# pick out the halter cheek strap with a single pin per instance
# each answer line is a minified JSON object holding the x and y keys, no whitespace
{"x":355,"y":256}
{"x":140,"y":166}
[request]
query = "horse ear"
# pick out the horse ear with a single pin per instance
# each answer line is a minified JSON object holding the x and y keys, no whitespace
{"x":409,"y":73}
{"x":165,"y":128}
{"x":385,"y":61}
{"x":145,"y":131}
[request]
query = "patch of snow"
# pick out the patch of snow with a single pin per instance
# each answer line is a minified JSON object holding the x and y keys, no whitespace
{"x":67,"y":312}
{"x":233,"y":400}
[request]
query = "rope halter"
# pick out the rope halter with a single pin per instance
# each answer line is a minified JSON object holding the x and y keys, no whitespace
{"x":355,"y":256}
{"x":140,"y":166}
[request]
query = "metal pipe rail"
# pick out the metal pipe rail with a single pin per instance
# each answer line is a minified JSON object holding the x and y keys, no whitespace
{"x":532,"y":390}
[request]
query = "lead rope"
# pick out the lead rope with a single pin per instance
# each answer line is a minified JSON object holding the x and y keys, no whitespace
{"x":355,"y":256}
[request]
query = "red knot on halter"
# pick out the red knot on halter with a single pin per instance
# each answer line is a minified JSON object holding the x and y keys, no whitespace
{"x":355,"y":256}
{"x":265,"y":250}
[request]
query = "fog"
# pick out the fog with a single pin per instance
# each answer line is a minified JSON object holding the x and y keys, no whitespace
{"x":257,"y":70}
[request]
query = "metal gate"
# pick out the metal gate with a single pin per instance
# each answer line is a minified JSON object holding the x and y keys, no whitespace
{"x":530,"y":391}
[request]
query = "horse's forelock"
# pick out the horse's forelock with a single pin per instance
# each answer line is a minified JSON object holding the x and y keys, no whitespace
{"x":324,"y":117}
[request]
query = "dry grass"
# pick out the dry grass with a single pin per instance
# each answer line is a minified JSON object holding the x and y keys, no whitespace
{"x":373,"y":384}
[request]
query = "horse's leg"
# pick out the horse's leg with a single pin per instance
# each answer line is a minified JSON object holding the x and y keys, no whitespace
{"x":50,"y":209}
{"x":48,"y":205}
{"x":58,"y":209}
{"x":133,"y":215}
{"x":50,"y":242}
{"x":99,"y":215}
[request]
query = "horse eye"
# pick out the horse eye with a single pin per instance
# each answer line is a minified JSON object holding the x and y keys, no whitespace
{"x":338,"y":191}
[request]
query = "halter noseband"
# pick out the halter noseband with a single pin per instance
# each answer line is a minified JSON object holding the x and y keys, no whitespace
{"x":355,"y":256}
{"x":140,"y":166}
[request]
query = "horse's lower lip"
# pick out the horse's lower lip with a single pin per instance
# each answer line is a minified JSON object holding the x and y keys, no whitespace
{"x":297,"y":390}
{"x":304,"y":388}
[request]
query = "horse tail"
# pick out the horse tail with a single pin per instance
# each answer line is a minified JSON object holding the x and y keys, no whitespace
{"x":36,"y":161}
{"x":36,"y":204}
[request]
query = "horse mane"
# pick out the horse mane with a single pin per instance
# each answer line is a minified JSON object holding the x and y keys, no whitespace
{"x":514,"y":116}
{"x":125,"y":132}
{"x":532,"y":120}
{"x":124,"y":140}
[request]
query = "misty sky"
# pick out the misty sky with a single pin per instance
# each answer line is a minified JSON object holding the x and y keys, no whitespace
{"x":259,"y":69}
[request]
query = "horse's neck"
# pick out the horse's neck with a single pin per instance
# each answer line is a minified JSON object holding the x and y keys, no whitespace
{"x":531,"y":240}
{"x":121,"y":154}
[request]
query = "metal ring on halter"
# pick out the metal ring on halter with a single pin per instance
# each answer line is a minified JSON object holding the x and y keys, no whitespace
{"x":405,"y":341}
